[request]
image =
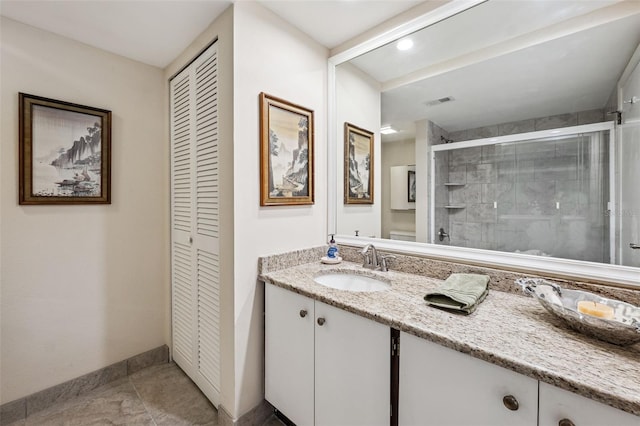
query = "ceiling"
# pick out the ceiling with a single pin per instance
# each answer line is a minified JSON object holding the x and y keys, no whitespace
{"x":155,"y":32}
{"x":506,"y":61}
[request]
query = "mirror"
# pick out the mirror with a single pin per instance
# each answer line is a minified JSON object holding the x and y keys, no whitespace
{"x":504,"y":118}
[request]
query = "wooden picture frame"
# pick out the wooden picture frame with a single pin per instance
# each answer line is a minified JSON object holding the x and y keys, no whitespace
{"x":286,"y":153}
{"x":64,"y":152}
{"x":411,"y":186}
{"x":358,"y":165}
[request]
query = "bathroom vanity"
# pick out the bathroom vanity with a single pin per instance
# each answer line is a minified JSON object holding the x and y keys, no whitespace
{"x":329,"y":358}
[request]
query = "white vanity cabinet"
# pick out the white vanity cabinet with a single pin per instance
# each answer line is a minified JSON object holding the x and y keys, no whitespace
{"x":440,"y":386}
{"x":559,"y":407}
{"x":323,"y":365}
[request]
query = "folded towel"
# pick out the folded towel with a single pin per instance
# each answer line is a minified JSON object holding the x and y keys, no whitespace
{"x":460,"y":292}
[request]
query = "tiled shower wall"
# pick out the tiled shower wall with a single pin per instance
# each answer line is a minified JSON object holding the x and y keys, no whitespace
{"x":544,"y":197}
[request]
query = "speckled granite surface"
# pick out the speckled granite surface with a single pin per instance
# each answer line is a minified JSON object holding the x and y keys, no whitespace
{"x":507,"y":329}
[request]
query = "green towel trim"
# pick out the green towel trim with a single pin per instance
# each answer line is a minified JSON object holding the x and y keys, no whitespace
{"x":460,"y":292}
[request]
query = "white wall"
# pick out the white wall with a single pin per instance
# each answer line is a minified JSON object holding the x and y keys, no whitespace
{"x":221,"y":30}
{"x":358,"y":102}
{"x":82,"y":286}
{"x":270,"y":56}
{"x":398,"y":153}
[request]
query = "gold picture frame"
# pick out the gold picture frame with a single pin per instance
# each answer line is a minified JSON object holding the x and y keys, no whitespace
{"x":64,"y":152}
{"x":286,"y":153}
{"x":358,"y":165}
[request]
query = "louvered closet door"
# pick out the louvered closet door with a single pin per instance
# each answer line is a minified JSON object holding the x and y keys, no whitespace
{"x":195,"y":259}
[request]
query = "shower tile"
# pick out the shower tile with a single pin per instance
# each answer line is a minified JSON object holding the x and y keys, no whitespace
{"x":591,"y":116}
{"x":489,"y":192}
{"x":481,"y":213}
{"x":507,"y":207}
{"x":537,"y":191}
{"x":525,"y":170}
{"x":568,"y":208}
{"x":498,"y":192}
{"x":568,"y":191}
{"x":482,"y":132}
{"x":568,"y":147}
{"x":484,"y":245}
{"x":473,"y":232}
{"x":458,"y":174}
{"x":514,"y":127}
{"x":488,"y":232}
{"x":494,"y":153}
{"x":505,"y":151}
{"x":506,"y":170}
{"x":480,"y":173}
{"x":465,"y":156}
{"x":558,"y":168}
{"x":457,"y":215}
{"x":457,"y":232}
{"x":458,"y":136}
{"x":555,"y":121}
{"x":442,"y":195}
{"x":535,"y":150}
{"x":468,"y":194}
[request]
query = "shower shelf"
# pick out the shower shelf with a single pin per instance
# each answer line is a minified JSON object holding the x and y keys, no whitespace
{"x":454,"y":184}
{"x":457,"y":206}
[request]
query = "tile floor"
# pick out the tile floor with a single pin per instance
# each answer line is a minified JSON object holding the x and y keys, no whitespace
{"x":161,"y":395}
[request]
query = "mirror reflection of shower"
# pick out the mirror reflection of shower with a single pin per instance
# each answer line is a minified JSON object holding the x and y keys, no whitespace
{"x":539,"y":193}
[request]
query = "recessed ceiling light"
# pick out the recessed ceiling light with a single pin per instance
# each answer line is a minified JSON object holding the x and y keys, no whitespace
{"x":387,"y":130}
{"x":405,"y":44}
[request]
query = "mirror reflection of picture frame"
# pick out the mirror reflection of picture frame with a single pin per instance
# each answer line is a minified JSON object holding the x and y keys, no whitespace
{"x":358,"y":165}
{"x":411,"y":186}
{"x":65,"y":152}
{"x":286,"y":153}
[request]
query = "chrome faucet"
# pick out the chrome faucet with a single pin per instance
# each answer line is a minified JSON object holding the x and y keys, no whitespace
{"x":369,"y":261}
{"x":372,"y":261}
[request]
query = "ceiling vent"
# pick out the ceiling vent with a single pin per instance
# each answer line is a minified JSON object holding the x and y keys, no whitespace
{"x":439,"y":101}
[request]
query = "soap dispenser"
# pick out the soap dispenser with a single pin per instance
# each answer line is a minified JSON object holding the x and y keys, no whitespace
{"x":332,"y":253}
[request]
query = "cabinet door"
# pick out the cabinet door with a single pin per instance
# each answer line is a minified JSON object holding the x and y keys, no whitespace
{"x":440,"y":386}
{"x":352,"y":369}
{"x":289,"y":353}
{"x":557,"y":404}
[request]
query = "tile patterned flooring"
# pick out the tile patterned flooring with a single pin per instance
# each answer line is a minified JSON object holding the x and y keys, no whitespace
{"x":161,"y":395}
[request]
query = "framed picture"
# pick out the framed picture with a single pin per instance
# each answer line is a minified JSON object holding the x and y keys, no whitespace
{"x":411,"y":186}
{"x":358,"y":165}
{"x":64,"y":152}
{"x":286,"y":153}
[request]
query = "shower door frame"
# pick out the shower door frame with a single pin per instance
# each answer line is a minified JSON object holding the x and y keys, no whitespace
{"x":528,"y":137}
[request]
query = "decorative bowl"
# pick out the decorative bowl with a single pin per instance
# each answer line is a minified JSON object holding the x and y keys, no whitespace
{"x":622,"y":329}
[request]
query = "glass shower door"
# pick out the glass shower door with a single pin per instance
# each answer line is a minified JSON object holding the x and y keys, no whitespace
{"x":551,"y":197}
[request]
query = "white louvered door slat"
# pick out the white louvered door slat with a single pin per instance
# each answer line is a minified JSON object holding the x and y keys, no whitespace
{"x":195,"y":223}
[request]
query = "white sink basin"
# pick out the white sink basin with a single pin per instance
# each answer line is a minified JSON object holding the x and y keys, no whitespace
{"x":351,"y":282}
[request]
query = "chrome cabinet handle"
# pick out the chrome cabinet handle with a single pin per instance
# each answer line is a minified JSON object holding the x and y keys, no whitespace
{"x":566,"y":422}
{"x":303,"y":313}
{"x":511,"y":402}
{"x":321,"y":321}
{"x":634,"y":246}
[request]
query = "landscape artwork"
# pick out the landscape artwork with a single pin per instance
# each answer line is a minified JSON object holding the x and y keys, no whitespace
{"x":411,"y":186}
{"x":358,"y":165}
{"x":64,"y":153}
{"x":287,"y":153}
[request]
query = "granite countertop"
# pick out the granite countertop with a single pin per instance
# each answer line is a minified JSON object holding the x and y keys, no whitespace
{"x":509,"y":330}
